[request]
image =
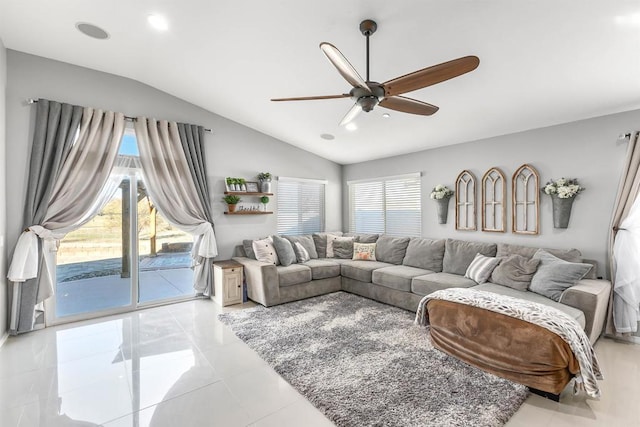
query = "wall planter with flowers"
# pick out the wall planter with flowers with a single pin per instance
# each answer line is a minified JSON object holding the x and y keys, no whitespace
{"x":563,"y":192}
{"x":441,"y":195}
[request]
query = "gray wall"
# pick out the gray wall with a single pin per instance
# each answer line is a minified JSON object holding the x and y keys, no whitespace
{"x":3,"y":195}
{"x":231,"y":150}
{"x":588,"y":150}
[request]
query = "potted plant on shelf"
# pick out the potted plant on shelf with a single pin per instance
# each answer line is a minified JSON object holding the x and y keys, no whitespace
{"x":441,"y":194}
{"x":264,"y":200}
{"x":562,"y":192}
{"x":265,"y":182}
{"x":231,"y":201}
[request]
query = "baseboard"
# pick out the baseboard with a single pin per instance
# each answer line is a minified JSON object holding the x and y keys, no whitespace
{"x":3,"y":338}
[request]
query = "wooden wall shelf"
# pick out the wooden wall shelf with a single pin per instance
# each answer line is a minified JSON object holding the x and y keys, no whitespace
{"x":246,"y":193}
{"x":248,"y":213}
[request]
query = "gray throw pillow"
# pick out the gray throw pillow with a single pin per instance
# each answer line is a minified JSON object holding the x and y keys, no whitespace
{"x":555,"y":275}
{"x":343,"y":249}
{"x":306,"y":241}
{"x":515,"y":271}
{"x":391,"y":249}
{"x":458,"y":254}
{"x":425,"y":253}
{"x":248,"y":249}
{"x":320,"y":240}
{"x":285,"y":251}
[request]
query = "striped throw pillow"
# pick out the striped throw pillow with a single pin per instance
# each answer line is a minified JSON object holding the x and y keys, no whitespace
{"x":481,"y":267}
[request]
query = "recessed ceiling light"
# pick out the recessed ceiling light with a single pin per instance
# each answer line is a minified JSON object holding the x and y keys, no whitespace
{"x":158,"y":22}
{"x":351,"y":126}
{"x":386,"y":115}
{"x":92,"y":31}
{"x":327,"y":136}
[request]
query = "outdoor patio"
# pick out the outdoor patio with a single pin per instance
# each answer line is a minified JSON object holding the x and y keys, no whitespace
{"x":97,"y":285}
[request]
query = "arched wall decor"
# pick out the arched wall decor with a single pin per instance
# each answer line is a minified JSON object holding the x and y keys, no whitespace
{"x":525,"y":192}
{"x":494,"y":201}
{"x":466,"y":201}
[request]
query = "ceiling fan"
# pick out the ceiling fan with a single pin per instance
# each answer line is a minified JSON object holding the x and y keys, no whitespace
{"x":367,"y":94}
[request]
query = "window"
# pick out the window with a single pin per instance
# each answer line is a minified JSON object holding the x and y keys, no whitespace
{"x":390,"y":205}
{"x":300,"y":206}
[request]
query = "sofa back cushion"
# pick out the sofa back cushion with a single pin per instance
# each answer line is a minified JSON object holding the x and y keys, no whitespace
{"x":555,"y":275}
{"x":306,"y":241}
{"x":391,"y":249}
{"x":506,"y":249}
{"x":458,"y":254}
{"x":425,"y":253}
{"x":343,"y":248}
{"x":320,"y":240}
{"x":363,"y":237}
{"x":247,"y":245}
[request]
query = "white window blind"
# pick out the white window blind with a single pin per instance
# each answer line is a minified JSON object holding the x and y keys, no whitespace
{"x":300,"y":206}
{"x":389,"y":205}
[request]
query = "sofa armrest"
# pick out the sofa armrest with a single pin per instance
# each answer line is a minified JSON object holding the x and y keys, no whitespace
{"x":262,"y":281}
{"x":592,"y":297}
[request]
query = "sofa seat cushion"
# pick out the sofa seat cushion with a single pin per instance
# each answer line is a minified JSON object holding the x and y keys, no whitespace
{"x":361,"y":270}
{"x":323,"y":268}
{"x":424,"y":285}
{"x":533,"y":297}
{"x":293,"y":274}
{"x":397,"y":277}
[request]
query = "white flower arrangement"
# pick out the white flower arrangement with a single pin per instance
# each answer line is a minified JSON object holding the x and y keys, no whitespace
{"x":563,"y":188}
{"x":441,"y":192}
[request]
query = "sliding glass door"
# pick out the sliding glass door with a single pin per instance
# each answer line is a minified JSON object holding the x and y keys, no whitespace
{"x":127,"y":256}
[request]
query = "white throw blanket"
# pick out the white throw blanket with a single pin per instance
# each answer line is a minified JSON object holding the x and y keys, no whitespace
{"x":542,"y":315}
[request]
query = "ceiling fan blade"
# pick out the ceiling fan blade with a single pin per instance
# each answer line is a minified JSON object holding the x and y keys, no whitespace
{"x":351,"y":114}
{"x":430,"y":75}
{"x":311,"y":98}
{"x":408,"y":105}
{"x":344,"y":67}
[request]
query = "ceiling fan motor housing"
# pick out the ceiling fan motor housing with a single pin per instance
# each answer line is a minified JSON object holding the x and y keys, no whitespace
{"x":368,"y":99}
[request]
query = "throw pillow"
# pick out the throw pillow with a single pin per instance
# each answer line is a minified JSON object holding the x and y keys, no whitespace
{"x":481,"y":267}
{"x":333,"y":238}
{"x":555,"y":275}
{"x":320,"y":240}
{"x":515,"y":271}
{"x":343,"y":248}
{"x":301,"y":252}
{"x":265,"y":251}
{"x":284,"y":250}
{"x":306,"y":240}
{"x":364,"y":251}
{"x":248,"y":249}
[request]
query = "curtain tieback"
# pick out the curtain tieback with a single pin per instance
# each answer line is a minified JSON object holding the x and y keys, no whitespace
{"x":619,"y":229}
{"x":25,"y":262}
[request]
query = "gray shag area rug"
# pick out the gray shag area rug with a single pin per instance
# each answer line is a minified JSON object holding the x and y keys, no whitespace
{"x":363,"y":363}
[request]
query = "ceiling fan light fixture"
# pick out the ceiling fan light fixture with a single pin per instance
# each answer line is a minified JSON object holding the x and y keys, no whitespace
{"x":351,"y":126}
{"x":386,"y":115}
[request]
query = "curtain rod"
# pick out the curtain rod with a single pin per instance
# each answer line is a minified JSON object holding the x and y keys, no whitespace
{"x":127,"y":118}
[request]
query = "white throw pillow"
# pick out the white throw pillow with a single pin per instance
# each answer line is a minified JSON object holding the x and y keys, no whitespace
{"x":481,"y":268}
{"x":364,"y":251}
{"x":265,"y":251}
{"x":332,"y":238}
{"x":301,"y":253}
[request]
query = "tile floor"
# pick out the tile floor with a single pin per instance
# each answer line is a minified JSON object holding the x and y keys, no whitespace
{"x":178,"y":365}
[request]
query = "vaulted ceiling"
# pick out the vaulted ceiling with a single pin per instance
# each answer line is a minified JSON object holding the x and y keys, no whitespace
{"x":542,"y":62}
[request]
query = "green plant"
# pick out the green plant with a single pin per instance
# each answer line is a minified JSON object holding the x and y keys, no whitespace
{"x":230,"y":199}
{"x":264,"y":176}
{"x":242,"y":181}
{"x":264,"y":199}
{"x":230,"y":181}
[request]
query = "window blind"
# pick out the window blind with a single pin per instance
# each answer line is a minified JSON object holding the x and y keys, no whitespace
{"x":389,"y":205}
{"x":300,"y":206}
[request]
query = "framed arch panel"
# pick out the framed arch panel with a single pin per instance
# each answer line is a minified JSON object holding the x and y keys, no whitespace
{"x":525,"y":194}
{"x":494,"y":201}
{"x":466,"y":201}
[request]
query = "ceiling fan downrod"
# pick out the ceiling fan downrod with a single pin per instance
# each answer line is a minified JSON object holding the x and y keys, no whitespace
{"x":367,"y":28}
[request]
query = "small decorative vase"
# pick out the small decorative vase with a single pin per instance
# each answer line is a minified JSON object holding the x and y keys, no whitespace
{"x":232,"y":208}
{"x":443,"y":209}
{"x":264,"y":207}
{"x":243,"y":187}
{"x":561,"y":211}
{"x":265,"y":186}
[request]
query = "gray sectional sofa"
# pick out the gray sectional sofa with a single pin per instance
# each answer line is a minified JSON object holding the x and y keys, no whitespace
{"x":407,"y":269}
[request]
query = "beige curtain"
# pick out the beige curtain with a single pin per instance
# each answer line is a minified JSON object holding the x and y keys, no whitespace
{"x":77,"y":183}
{"x":627,"y":194}
{"x":173,"y":191}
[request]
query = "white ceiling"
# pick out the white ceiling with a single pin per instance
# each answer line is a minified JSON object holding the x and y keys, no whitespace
{"x":542,"y":62}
